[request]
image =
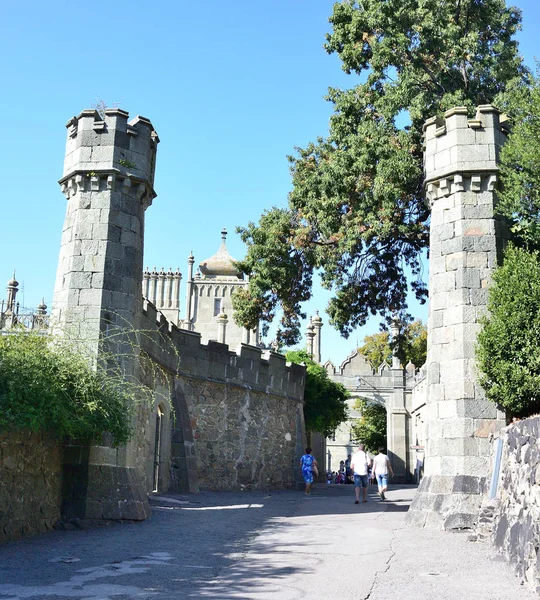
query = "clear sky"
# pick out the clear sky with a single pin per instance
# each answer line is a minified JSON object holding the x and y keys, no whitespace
{"x":230,"y":87}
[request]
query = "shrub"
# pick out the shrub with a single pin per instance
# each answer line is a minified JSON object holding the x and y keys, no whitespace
{"x":47,"y":385}
{"x":508,"y":348}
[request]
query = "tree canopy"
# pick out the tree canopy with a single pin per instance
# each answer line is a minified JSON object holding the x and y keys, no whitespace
{"x":412,"y":346}
{"x":519,"y":198}
{"x":508,"y":348}
{"x":356,"y":213}
{"x":325,"y":401}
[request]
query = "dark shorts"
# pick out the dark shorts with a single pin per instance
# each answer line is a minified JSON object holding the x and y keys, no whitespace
{"x":361,"y":481}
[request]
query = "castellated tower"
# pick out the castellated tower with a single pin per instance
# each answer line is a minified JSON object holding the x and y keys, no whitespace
{"x":466,"y":239}
{"x":108,"y":182}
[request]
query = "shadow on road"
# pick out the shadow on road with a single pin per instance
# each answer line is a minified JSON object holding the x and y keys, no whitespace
{"x":193,"y":546}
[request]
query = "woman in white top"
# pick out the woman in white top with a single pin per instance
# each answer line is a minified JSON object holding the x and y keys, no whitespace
{"x":381,"y":466}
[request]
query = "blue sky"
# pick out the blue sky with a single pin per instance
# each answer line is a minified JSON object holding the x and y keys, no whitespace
{"x":231,"y":88}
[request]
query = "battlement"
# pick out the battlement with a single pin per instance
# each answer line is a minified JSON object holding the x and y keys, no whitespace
{"x":458,"y":145}
{"x":182,"y":352}
{"x":110,"y":145}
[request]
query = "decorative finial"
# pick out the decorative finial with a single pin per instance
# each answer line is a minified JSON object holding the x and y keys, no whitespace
{"x":223,"y":234}
{"x":42,"y":308}
{"x":13,"y":282}
{"x":317,"y":319}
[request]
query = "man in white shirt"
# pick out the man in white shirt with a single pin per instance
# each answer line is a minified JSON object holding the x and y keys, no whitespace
{"x":381,"y":466}
{"x":360,"y":462}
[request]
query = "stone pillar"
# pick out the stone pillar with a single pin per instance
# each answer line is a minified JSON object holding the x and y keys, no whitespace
{"x":222,"y":327}
{"x":177,"y":276}
{"x":310,"y":335}
{"x":189,"y":292}
{"x":465,"y":241}
{"x":108,"y":182}
{"x":317,"y":325}
{"x":160,"y":290}
{"x":146,"y":284}
{"x":152,"y":295}
{"x":397,"y":415}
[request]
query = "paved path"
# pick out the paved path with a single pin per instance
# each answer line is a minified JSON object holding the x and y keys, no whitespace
{"x":259,"y":546}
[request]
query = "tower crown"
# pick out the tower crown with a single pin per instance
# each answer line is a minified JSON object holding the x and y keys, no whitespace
{"x":458,"y":144}
{"x":111,"y":144}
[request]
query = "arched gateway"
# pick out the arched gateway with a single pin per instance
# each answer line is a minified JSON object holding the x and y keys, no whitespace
{"x":390,"y":386}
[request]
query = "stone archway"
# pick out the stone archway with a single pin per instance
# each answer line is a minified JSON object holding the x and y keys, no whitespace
{"x":183,"y":472}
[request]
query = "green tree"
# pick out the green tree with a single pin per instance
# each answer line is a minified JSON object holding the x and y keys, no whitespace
{"x":508,"y":346}
{"x":519,"y":198}
{"x":377,"y":348}
{"x":325,"y":401}
{"x":356,"y":213}
{"x":49,"y":386}
{"x":370,"y":428}
{"x":414,"y":344}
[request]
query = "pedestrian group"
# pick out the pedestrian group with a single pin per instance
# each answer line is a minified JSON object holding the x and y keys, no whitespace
{"x":359,"y":469}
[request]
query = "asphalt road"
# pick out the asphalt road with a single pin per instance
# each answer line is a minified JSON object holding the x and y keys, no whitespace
{"x":267,"y":546}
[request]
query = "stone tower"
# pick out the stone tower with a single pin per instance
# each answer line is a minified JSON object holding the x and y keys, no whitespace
{"x":461,"y":157}
{"x":108,"y":182}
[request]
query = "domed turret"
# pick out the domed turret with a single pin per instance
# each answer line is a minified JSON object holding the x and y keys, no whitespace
{"x":221,"y":264}
{"x":13,"y":282}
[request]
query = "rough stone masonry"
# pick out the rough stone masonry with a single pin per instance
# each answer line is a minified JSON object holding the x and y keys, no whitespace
{"x":213,"y":410}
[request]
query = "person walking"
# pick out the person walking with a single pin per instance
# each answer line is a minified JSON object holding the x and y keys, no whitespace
{"x":381,"y":467}
{"x":309,"y":467}
{"x":359,"y":464}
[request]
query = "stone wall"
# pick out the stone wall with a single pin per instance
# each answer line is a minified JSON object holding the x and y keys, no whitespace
{"x":516,"y":528}
{"x":30,"y":484}
{"x":236,"y":417}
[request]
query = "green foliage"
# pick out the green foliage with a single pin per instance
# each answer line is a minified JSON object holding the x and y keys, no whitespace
{"x":127,"y":163}
{"x":508,"y":347}
{"x":356,"y":212}
{"x":45,"y":385}
{"x":413,"y":344}
{"x":377,"y":348}
{"x":325,"y":406}
{"x":370,"y":428}
{"x":519,"y":199}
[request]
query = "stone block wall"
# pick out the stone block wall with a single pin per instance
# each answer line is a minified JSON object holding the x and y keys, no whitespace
{"x":237,"y":417}
{"x":516,"y":527}
{"x":466,"y":238}
{"x":30,"y":484}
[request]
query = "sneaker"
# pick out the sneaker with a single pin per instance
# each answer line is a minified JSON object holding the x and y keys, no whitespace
{"x":383,"y":497}
{"x":356,"y":502}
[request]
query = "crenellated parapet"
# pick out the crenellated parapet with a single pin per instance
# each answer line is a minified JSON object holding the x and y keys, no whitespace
{"x":462,"y":154}
{"x":182,"y":353}
{"x":108,"y":152}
